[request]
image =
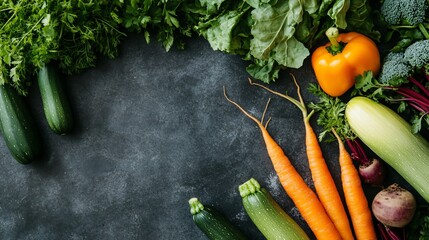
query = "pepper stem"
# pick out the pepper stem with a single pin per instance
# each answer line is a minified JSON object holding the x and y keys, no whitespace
{"x":336,"y":47}
{"x":332,"y":33}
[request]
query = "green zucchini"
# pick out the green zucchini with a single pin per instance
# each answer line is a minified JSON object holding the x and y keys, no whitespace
{"x":54,"y":99}
{"x":212,"y":223}
{"x":17,"y":126}
{"x":267,"y":215}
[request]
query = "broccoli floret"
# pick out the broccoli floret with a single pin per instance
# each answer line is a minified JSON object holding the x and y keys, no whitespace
{"x":395,"y":69}
{"x":394,"y":56}
{"x":410,"y":11}
{"x":417,"y":54}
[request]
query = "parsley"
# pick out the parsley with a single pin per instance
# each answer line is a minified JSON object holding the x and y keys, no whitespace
{"x":72,"y":33}
{"x":331,"y":114}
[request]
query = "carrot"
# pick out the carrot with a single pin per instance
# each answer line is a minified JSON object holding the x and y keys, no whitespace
{"x":356,"y":201}
{"x":322,"y":178}
{"x":303,"y":196}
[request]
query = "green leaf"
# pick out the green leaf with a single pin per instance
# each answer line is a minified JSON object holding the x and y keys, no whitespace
{"x":360,"y":18}
{"x":265,"y":70}
{"x":292,"y":54}
{"x":211,"y":5}
{"x":273,"y":33}
{"x":311,"y":6}
{"x":219,"y":32}
{"x":338,"y":13}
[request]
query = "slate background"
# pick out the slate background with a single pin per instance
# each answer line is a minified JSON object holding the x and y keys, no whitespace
{"x":153,"y":129}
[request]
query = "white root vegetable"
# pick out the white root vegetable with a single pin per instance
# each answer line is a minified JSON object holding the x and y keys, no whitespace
{"x":394,"y":206}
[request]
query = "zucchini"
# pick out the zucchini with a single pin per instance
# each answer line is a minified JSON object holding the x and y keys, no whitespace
{"x":54,"y":99}
{"x":213,"y":224}
{"x":267,"y":215}
{"x":389,"y":136}
{"x":17,"y":127}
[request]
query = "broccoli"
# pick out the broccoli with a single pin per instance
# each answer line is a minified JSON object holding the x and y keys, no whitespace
{"x":395,"y":69}
{"x":411,"y":11}
{"x":417,"y":54}
{"x":408,"y":18}
{"x":398,"y":66}
{"x":406,"y":73}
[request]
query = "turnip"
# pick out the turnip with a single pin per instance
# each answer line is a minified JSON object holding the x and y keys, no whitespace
{"x":394,"y":206}
{"x":371,"y":170}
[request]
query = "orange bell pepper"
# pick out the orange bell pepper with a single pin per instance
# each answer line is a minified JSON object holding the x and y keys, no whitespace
{"x":339,"y":62}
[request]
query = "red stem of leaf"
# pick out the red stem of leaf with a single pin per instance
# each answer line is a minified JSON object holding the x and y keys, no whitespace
{"x":419,"y":85}
{"x":407,"y":92}
{"x":388,"y":233}
{"x":417,"y":100}
{"x":357,"y":151}
{"x":383,"y":233}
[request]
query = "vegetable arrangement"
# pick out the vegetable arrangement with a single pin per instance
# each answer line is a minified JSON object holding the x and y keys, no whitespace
{"x":322,"y":178}
{"x":43,"y":39}
{"x":302,"y":195}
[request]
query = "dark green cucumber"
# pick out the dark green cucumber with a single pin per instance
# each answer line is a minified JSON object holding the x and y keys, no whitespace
{"x":213,"y":224}
{"x":54,"y":99}
{"x":267,"y":215}
{"x":17,"y":126}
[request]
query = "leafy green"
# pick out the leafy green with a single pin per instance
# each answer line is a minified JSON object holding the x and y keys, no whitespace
{"x":338,"y":13}
{"x":277,"y":34}
{"x":331,"y":115}
{"x":270,"y":34}
{"x":72,"y":33}
{"x":226,"y":32}
{"x":419,"y":227}
{"x":273,"y":34}
{"x":360,"y":18}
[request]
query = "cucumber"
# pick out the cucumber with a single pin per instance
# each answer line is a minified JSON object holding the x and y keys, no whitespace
{"x":267,"y":215}
{"x":17,"y":126}
{"x":213,"y":224}
{"x":54,"y":99}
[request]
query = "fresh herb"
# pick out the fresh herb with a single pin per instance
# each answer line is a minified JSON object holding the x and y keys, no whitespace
{"x":271,"y":35}
{"x":73,"y":33}
{"x":330,"y":112}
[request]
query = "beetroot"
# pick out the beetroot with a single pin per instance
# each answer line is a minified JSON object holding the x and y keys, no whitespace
{"x":394,"y":206}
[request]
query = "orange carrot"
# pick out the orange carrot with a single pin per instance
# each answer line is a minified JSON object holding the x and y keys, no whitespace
{"x":322,"y":178}
{"x":356,"y":201}
{"x":303,"y":196}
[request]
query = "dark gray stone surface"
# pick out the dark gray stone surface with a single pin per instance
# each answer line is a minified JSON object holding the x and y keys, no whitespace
{"x":153,"y":129}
